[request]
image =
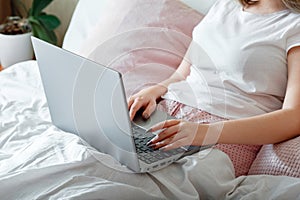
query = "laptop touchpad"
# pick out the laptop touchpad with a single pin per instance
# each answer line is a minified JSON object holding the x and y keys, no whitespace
{"x":156,"y":117}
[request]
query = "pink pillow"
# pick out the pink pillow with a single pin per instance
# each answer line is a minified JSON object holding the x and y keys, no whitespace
{"x":278,"y":159}
{"x":124,"y":16}
{"x":144,"y":39}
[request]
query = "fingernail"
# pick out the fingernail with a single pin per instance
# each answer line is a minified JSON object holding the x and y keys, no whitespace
{"x":149,"y":143}
{"x":162,"y":149}
{"x":154,"y":139}
{"x":152,"y":146}
{"x":146,"y":116}
{"x":149,"y":130}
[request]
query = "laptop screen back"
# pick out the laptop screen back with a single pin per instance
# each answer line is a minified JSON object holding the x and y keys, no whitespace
{"x":87,"y":99}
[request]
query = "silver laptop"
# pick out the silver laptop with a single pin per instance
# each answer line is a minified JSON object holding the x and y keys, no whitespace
{"x":88,"y":99}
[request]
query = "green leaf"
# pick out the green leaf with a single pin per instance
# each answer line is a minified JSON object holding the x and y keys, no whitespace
{"x":42,"y":24}
{"x":38,"y":6}
{"x":41,"y":32}
{"x":51,"y":22}
{"x":33,"y":20}
{"x":52,"y":37}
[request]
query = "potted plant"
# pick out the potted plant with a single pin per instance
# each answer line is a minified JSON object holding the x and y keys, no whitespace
{"x":16,"y":30}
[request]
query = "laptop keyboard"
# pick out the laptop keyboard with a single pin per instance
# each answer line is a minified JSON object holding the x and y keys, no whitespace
{"x":148,"y":154}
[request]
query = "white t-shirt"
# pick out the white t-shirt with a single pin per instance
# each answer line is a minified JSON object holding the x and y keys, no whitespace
{"x":239,"y":61}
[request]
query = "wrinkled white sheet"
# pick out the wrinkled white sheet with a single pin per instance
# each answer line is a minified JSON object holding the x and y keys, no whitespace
{"x":38,"y":161}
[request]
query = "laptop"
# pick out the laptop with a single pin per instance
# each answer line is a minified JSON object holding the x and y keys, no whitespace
{"x":88,"y":99}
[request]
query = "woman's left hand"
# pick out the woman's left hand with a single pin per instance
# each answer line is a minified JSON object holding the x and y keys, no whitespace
{"x":177,"y":133}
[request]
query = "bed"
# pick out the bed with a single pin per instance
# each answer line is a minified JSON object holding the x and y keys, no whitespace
{"x":39,"y":161}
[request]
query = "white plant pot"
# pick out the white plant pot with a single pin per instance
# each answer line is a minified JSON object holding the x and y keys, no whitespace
{"x":15,"y":48}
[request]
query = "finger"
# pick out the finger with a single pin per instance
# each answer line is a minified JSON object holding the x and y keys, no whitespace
{"x":173,"y":145}
{"x":167,"y":133}
{"x":130,"y":102}
{"x":163,"y":143}
{"x":136,"y":105}
{"x":149,"y":109}
{"x":165,"y":124}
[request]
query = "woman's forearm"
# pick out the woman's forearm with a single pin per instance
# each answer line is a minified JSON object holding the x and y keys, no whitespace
{"x":179,"y":75}
{"x":269,"y":128}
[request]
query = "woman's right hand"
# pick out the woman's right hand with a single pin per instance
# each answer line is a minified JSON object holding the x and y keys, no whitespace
{"x":146,"y":100}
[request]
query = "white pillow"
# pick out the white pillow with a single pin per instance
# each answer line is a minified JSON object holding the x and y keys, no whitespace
{"x":84,"y":19}
{"x":88,"y":13}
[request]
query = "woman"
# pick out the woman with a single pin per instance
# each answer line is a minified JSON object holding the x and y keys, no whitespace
{"x":255,"y":48}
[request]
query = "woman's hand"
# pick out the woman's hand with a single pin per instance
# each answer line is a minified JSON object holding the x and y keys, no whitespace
{"x":178,"y":133}
{"x":145,"y":99}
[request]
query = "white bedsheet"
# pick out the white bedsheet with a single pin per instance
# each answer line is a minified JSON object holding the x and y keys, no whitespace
{"x":38,"y":161}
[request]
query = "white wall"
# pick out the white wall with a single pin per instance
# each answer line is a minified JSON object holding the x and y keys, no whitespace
{"x":200,"y":5}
